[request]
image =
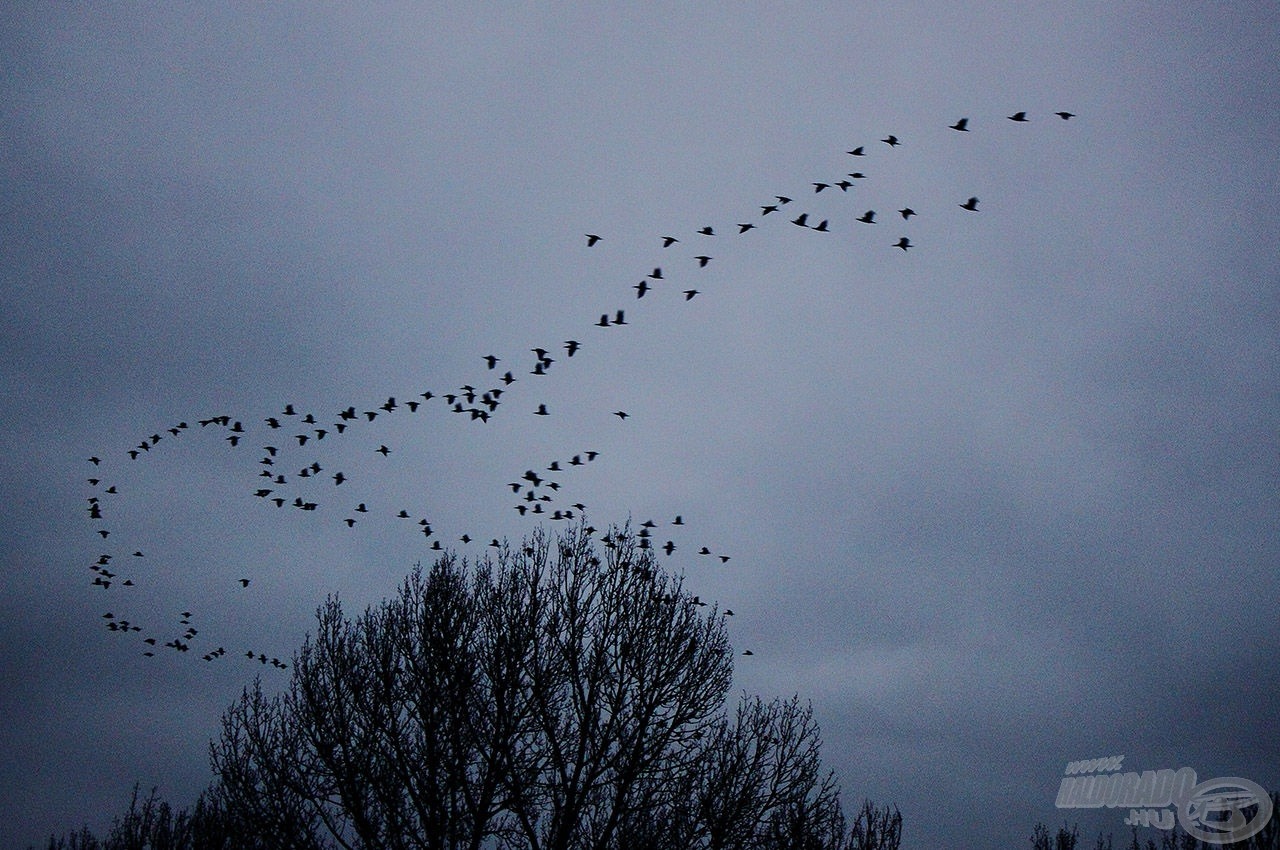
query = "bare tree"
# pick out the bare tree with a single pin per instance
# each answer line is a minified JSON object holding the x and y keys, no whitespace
{"x":565,"y":695}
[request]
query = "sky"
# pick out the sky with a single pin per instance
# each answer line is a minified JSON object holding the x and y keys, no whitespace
{"x":998,"y":502}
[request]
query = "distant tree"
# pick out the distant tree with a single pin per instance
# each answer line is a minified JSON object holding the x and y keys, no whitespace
{"x":559,"y":696}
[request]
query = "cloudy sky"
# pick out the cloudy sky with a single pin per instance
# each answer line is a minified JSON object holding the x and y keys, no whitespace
{"x":1001,"y":501}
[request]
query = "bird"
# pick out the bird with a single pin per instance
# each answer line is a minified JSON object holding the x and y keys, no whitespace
{"x":856,"y":152}
{"x":618,"y":318}
{"x":689,"y":293}
{"x":868,"y":217}
{"x":962,"y":125}
{"x":641,"y":288}
{"x":707,"y":231}
{"x":656,"y":274}
{"x":702,"y":260}
{"x":383,"y":450}
{"x":971,"y":205}
{"x":338,"y":478}
{"x":603,"y":323}
{"x":801,"y":219}
{"x":821,"y":226}
{"x":904,"y":243}
{"x":541,"y":411}
{"x":95,"y":460}
{"x":1018,"y":116}
{"x":891,"y":141}
{"x":244,"y":582}
{"x":592,"y":239}
{"x":491,"y":360}
{"x":572,"y":346}
{"x":679,"y":520}
{"x":906,"y":213}
{"x":818,"y":187}
{"x":668,"y":241}
{"x":1065,"y":116}
{"x":621,"y":414}
{"x":766,"y":209}
{"x":743,"y":228}
{"x":747,"y":652}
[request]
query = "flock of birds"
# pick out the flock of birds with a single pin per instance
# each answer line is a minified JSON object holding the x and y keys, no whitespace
{"x":285,"y":481}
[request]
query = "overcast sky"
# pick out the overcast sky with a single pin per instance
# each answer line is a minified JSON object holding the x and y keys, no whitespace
{"x":1001,"y":501}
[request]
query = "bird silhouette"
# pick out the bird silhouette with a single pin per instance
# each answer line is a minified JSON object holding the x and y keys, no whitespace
{"x":743,"y":228}
{"x":801,"y":219}
{"x":906,"y":213}
{"x":491,"y":360}
{"x":541,"y":411}
{"x":971,"y":205}
{"x":702,"y":260}
{"x":641,"y":288}
{"x":592,"y":239}
{"x":891,"y":141}
{"x":904,"y":243}
{"x":621,"y":414}
{"x":1065,"y":116}
{"x":962,"y":125}
{"x":856,"y":152}
{"x":868,"y":217}
{"x":572,"y":346}
{"x":668,"y":241}
{"x":689,"y":293}
{"x":1018,"y":116}
{"x":707,"y":231}
{"x":244,"y":582}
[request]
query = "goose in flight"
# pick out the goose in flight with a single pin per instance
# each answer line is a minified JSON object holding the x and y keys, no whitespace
{"x":592,"y":239}
{"x":971,"y":205}
{"x":1018,"y":116}
{"x":962,"y":125}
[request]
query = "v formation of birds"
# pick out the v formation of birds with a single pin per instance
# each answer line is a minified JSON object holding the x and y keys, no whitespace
{"x":539,"y":492}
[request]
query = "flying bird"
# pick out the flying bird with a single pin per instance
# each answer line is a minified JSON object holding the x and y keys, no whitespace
{"x":707,"y":231}
{"x":702,"y":260}
{"x":592,"y":239}
{"x":689,"y":293}
{"x":856,"y":152}
{"x":906,"y":213}
{"x":962,"y":125}
{"x":571,"y":346}
{"x":1018,"y":116}
{"x":491,"y":360}
{"x":244,"y":582}
{"x":668,"y":241}
{"x":868,"y":217}
{"x":904,"y":243}
{"x":804,"y":217}
{"x":621,"y":414}
{"x":743,"y":228}
{"x":541,"y":411}
{"x":1065,"y":116}
{"x":891,"y":141}
{"x":641,"y":288}
{"x":971,"y":205}
{"x":383,"y":450}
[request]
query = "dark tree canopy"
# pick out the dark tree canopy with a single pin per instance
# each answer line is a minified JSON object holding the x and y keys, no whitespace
{"x":566,"y":693}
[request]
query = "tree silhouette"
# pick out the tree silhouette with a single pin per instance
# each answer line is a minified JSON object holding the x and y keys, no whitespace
{"x":566,"y":693}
